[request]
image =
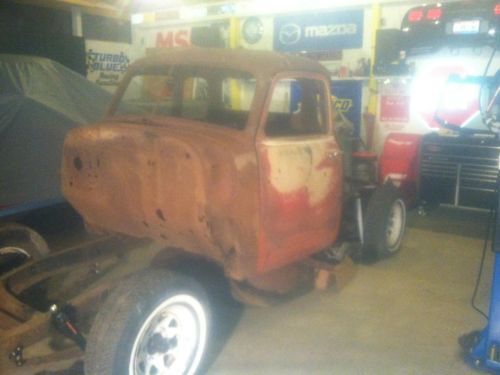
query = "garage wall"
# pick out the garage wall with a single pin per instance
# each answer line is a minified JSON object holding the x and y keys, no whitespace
{"x":47,"y":32}
{"x":176,"y":32}
{"x":165,"y":29}
{"x":44,"y":32}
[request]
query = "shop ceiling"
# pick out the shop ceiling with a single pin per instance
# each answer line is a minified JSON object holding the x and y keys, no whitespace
{"x":124,"y":8}
{"x":113,"y":8}
{"x":107,"y":8}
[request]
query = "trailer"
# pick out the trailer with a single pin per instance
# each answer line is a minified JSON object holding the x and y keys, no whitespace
{"x":47,"y":306}
{"x":57,"y":294}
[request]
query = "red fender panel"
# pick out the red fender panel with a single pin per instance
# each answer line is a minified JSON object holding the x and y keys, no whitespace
{"x":399,"y":163}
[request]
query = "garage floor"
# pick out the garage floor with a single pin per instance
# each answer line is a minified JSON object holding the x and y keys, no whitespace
{"x":399,"y":316}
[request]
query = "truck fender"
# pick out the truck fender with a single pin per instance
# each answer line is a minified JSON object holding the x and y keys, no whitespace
{"x":399,"y":163}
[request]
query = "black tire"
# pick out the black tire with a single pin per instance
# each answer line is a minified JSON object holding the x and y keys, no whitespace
{"x":19,"y":244}
{"x":385,"y":222}
{"x":124,"y":321}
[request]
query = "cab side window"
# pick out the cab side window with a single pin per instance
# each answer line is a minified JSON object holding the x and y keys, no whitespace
{"x":298,"y":107}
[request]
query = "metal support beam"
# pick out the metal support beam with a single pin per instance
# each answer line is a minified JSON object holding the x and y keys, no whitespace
{"x":76,"y":21}
{"x":372,"y":83}
{"x":105,"y":8}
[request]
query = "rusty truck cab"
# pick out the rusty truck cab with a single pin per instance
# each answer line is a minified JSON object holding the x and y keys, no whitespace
{"x":255,"y":169}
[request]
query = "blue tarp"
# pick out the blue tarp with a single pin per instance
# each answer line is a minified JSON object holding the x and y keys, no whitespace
{"x":40,"y":100}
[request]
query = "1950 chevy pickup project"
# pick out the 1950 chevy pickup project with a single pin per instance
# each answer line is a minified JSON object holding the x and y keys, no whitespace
{"x":227,"y":157}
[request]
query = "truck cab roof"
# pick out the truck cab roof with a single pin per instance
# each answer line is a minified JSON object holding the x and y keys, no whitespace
{"x":260,"y":64}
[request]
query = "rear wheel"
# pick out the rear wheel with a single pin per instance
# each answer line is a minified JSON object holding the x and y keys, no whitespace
{"x":19,"y":244}
{"x":385,"y":222}
{"x":154,"y":323}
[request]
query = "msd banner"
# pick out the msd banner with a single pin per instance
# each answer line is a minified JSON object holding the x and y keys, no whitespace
{"x":319,"y":32}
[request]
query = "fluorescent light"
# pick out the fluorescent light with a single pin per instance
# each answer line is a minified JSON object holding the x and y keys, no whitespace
{"x":188,"y":13}
{"x":137,"y":18}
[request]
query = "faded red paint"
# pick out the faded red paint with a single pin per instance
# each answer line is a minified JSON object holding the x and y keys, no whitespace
{"x":399,"y":162}
{"x":207,"y":189}
{"x":291,"y":225}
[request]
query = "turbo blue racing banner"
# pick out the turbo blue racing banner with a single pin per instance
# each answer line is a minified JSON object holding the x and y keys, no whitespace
{"x":319,"y":32}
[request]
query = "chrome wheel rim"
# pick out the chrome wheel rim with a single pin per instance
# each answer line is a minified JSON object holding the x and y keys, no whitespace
{"x":395,"y":225}
{"x":172,"y":339}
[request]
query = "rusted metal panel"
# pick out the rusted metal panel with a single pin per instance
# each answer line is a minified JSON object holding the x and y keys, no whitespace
{"x":195,"y":186}
{"x":85,"y":254}
{"x":189,"y":187}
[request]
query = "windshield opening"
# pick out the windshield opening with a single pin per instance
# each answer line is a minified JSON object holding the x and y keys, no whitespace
{"x":218,"y":96}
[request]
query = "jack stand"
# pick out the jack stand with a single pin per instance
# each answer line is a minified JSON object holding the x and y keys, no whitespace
{"x":482,"y":348}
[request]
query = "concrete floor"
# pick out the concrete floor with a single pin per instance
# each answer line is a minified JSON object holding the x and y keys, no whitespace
{"x":399,"y":316}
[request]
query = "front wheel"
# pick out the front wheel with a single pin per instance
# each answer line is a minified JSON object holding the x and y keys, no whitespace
{"x":154,"y":323}
{"x":385,"y":222}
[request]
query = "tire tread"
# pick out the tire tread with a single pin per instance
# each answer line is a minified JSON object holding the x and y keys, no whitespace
{"x":375,"y":222}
